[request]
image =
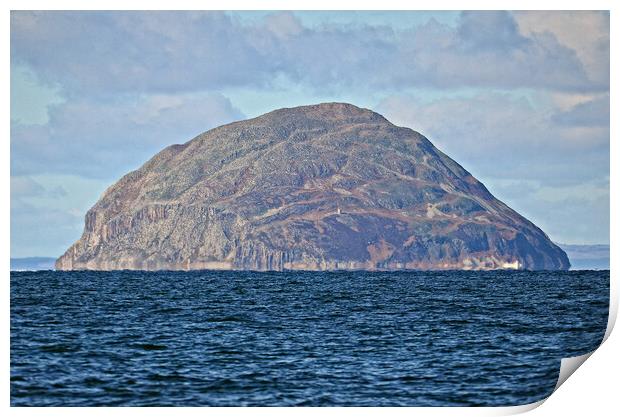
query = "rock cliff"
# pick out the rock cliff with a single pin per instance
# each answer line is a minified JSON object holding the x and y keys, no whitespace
{"x":328,"y":186}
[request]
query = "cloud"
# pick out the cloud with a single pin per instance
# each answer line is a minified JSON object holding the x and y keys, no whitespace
{"x":592,"y":113}
{"x":41,"y":222}
{"x":486,"y":50}
{"x":105,"y":138}
{"x":572,"y":213}
{"x":585,"y":32}
{"x":30,"y":223}
{"x":490,"y":30}
{"x":172,"y":52}
{"x":506,"y":136}
{"x":30,"y":99}
{"x":283,"y":24}
{"x":136,"y":51}
{"x":26,"y":187}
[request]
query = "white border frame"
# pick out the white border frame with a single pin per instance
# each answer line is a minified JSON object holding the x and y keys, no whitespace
{"x":592,"y":390}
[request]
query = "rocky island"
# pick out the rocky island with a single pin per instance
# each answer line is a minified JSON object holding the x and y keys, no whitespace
{"x":322,"y":187}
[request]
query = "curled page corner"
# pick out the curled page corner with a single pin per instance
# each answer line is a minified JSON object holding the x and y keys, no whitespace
{"x":568,"y":366}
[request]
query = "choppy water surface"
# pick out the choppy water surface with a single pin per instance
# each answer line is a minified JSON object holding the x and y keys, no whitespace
{"x":283,"y":339}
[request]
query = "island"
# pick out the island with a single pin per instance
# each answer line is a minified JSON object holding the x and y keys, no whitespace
{"x":321,"y":187}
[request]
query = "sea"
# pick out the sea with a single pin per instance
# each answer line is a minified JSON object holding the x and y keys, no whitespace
{"x":224,"y":338}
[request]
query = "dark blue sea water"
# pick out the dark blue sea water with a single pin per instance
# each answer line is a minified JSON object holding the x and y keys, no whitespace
{"x":293,"y":339}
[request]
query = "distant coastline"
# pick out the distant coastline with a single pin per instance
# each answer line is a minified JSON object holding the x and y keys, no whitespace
{"x":587,"y":256}
{"x":34,"y":263}
{"x":581,"y":257}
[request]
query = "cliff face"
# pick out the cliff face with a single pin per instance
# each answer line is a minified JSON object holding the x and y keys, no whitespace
{"x":328,"y":186}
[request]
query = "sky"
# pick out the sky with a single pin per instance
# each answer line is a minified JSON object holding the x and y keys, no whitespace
{"x":520,"y":99}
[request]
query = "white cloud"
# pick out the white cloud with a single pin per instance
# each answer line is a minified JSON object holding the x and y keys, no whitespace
{"x":42,"y":231}
{"x":283,"y":24}
{"x":170,"y":52}
{"x":505,"y":136}
{"x":25,"y":186}
{"x":105,"y":138}
{"x":570,"y":214}
{"x":586,"y":32}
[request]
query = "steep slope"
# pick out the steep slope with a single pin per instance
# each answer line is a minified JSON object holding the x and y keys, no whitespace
{"x":328,"y":186}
